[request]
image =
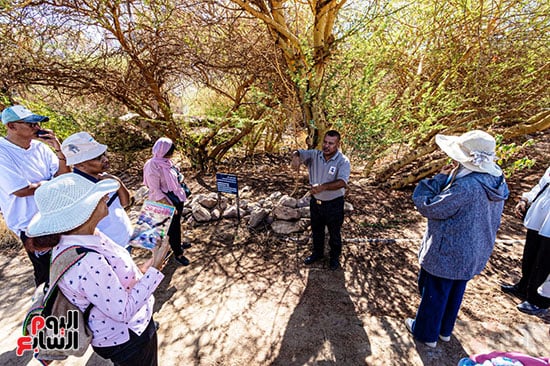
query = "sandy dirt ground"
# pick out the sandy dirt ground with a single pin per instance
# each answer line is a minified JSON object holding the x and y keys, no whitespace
{"x":247,"y":299}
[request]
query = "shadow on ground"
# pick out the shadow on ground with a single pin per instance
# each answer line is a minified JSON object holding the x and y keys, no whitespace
{"x":324,"y":328}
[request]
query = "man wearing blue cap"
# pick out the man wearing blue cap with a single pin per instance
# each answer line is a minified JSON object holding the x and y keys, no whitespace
{"x":26,"y":161}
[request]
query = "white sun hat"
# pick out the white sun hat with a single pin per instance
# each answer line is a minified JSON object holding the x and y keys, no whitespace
{"x":66,"y":202}
{"x":474,"y":149}
{"x":81,"y":147}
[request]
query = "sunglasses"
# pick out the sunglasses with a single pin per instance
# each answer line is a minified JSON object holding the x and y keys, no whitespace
{"x":32,"y":125}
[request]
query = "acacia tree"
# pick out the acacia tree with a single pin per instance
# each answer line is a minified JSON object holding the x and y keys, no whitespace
{"x":440,"y":67}
{"x":235,"y":60}
{"x":305,"y":35}
{"x":123,"y":50}
{"x":142,"y":54}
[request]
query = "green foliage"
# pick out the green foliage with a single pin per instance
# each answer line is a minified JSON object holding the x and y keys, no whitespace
{"x":391,"y":76}
{"x":509,"y":156}
{"x":63,"y":125}
{"x":439,"y":67}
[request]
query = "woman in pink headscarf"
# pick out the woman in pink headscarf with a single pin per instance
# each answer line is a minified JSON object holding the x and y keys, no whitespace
{"x":164,"y":182}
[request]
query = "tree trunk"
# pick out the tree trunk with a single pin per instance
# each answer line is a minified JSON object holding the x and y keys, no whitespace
{"x":305,"y":63}
{"x":538,"y":122}
{"x":412,"y":177}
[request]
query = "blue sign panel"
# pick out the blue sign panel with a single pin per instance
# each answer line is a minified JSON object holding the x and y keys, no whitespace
{"x":227,"y":183}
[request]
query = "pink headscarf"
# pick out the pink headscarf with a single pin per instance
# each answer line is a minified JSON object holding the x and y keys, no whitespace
{"x":164,"y":166}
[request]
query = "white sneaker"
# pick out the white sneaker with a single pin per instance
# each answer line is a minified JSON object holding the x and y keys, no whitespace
{"x":409,"y":324}
{"x":445,"y":338}
{"x":431,"y":344}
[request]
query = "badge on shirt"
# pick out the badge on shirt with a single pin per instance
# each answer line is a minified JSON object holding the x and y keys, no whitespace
{"x":332,"y":170}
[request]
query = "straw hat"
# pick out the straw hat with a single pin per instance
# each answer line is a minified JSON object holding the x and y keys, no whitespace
{"x":81,"y":147}
{"x":66,"y":202}
{"x":474,"y":149}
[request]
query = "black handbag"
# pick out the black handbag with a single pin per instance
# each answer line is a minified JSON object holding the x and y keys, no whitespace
{"x":182,"y":182}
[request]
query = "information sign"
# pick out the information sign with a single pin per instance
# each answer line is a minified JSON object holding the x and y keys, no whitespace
{"x":227,"y":183}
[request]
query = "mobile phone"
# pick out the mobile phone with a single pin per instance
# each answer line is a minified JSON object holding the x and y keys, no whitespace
{"x":41,"y":133}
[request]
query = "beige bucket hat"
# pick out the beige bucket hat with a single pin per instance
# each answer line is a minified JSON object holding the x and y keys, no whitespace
{"x":474,"y":149}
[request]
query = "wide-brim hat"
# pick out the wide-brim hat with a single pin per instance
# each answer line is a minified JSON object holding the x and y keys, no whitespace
{"x":18,"y":113}
{"x":81,"y":147}
{"x":474,"y":149}
{"x":66,"y":202}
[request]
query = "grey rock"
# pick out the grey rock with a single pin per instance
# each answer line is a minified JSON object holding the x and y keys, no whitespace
{"x":201,"y":214}
{"x":286,"y":213}
{"x":286,"y":227}
{"x":257,"y":216}
{"x":287,"y":201}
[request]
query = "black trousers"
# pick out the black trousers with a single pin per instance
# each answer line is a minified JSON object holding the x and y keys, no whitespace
{"x":174,"y":231}
{"x":40,"y":264}
{"x":329,"y":214}
{"x":535,"y":267}
{"x":137,"y":351}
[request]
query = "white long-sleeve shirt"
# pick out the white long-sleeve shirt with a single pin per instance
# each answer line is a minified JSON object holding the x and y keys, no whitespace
{"x":538,"y":215}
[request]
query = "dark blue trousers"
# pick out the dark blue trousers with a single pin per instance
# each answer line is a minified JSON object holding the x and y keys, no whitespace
{"x":438,"y":309}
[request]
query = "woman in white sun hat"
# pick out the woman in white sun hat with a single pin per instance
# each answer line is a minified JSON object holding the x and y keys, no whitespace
{"x":463,"y":205}
{"x":69,"y":209}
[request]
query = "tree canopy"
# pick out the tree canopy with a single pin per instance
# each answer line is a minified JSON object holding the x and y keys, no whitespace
{"x":253,"y":75}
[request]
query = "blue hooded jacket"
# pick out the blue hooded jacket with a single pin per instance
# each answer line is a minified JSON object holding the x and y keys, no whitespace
{"x":462,"y":223}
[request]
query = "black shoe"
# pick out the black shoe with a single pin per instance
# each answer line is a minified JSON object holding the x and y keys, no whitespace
{"x":186,"y":246}
{"x":334,"y":264}
{"x":312,"y":259}
{"x":182,"y":260}
{"x":513,"y":290}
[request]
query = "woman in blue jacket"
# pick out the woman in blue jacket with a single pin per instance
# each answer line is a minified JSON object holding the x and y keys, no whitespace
{"x":463,"y":205}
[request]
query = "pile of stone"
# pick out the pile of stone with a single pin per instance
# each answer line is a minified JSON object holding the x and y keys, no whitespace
{"x":284,"y":214}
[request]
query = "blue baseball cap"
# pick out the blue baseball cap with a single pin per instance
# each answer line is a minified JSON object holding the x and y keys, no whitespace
{"x":18,"y":113}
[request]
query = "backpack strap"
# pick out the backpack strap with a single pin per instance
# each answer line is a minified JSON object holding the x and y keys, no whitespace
{"x":540,"y":192}
{"x":112,"y":199}
{"x":58,"y":267}
{"x":64,"y":261}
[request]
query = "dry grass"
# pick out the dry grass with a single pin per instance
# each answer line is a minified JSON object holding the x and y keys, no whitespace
{"x":8,"y":240}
